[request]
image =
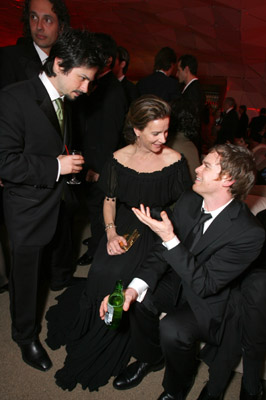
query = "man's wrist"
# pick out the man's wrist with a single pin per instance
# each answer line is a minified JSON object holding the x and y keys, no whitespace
{"x":170,"y":244}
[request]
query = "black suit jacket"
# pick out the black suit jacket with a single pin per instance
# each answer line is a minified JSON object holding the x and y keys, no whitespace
{"x":207,"y":275}
{"x":160,"y":85}
{"x":131,"y":90}
{"x":194,"y":94}
{"x":30,"y":142}
{"x":229,"y":127}
{"x":98,"y":121}
{"x":19,"y":62}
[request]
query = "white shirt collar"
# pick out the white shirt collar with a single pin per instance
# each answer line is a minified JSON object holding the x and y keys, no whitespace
{"x":160,"y":70}
{"x":43,"y":56}
{"x":214,"y":214}
{"x":189,"y":83}
{"x":229,"y":109}
{"x":53,"y":93}
{"x":121,"y":78}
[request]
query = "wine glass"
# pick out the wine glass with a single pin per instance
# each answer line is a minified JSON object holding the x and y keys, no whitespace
{"x":74,"y":180}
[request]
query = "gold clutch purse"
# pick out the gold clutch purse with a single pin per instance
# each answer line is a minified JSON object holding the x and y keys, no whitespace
{"x":130,"y":238}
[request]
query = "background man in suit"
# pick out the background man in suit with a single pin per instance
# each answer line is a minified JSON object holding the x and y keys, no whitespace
{"x":43,"y":21}
{"x":229,"y":126}
{"x":187,"y":68}
{"x":99,"y":121}
{"x":120,"y":69}
{"x":192,"y":280}
{"x":32,"y":166}
{"x":161,"y":82}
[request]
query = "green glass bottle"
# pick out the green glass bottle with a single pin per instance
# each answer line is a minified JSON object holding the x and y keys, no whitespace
{"x":115,"y":307}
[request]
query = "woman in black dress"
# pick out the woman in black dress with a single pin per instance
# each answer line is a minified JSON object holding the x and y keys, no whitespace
{"x":145,"y":171}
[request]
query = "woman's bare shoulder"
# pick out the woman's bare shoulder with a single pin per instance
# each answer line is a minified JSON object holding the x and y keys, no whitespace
{"x":172,"y":155}
{"x":122,"y":155}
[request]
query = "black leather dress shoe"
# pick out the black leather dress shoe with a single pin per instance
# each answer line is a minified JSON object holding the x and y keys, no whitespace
{"x":70,"y":282}
{"x":86,"y":259}
{"x":4,"y":288}
{"x":204,"y":395}
{"x":134,"y":373}
{"x":35,"y":355}
{"x":166,"y":396}
{"x":244,"y":395}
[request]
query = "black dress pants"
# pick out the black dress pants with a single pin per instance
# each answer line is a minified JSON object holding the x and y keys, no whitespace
{"x":175,"y":337}
{"x":27,"y":263}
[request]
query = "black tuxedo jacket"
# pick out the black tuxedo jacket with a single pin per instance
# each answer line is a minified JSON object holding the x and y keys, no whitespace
{"x":98,"y":121}
{"x":131,"y":90}
{"x":19,"y":62}
{"x":207,"y":275}
{"x":194,"y":94}
{"x":30,"y":142}
{"x":229,"y":127}
{"x":160,"y":85}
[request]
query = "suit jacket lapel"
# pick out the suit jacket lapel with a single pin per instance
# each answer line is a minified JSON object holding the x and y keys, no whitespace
{"x":223,"y":221}
{"x":46,"y":104}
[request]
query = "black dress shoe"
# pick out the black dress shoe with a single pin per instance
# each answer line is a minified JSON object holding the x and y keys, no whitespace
{"x":204,"y":395}
{"x":86,"y":259}
{"x":134,"y":373}
{"x":70,"y":282}
{"x":166,"y":396}
{"x":244,"y":395}
{"x":4,"y":288}
{"x":35,"y":355}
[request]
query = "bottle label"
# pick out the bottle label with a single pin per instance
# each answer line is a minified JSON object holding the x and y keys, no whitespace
{"x":109,"y":314}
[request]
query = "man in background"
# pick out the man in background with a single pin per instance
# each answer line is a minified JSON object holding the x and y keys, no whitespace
{"x":120,"y":69}
{"x":43,"y":21}
{"x":161,"y":82}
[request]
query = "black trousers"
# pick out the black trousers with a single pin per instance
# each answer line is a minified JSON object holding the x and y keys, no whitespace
{"x":175,"y":337}
{"x":27,"y":266}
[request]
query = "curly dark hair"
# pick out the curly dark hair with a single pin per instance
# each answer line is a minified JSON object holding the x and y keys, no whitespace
{"x":143,"y":110}
{"x":185,"y":118}
{"x":76,"y":48}
{"x":58,"y":7}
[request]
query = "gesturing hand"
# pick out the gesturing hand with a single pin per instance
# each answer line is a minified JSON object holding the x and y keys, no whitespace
{"x":163,"y":228}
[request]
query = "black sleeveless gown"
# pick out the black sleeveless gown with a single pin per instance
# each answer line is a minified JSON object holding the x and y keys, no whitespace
{"x":94,"y":352}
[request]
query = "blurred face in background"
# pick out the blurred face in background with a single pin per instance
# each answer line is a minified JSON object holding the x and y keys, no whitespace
{"x":44,"y":24}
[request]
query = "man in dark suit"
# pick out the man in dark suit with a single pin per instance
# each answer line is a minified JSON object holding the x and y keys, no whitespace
{"x":120,"y":69}
{"x":99,"y":121}
{"x":192,"y":280}
{"x":161,"y":82}
{"x":43,"y":21}
{"x":34,"y":128}
{"x":187,"y":68}
{"x":229,"y":126}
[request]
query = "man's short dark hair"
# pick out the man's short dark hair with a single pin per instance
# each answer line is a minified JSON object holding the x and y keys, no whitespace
{"x":76,"y":48}
{"x":108,"y":45}
{"x":238,"y":163}
{"x":187,"y":60}
{"x":58,"y":7}
{"x":123,"y":55}
{"x":164,"y":59}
